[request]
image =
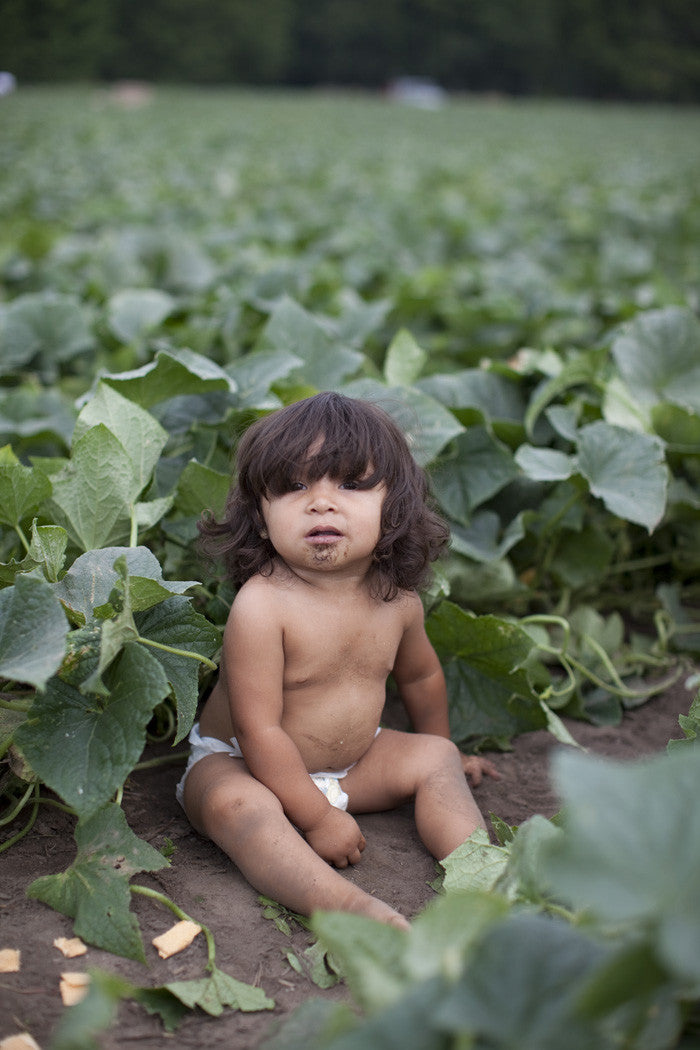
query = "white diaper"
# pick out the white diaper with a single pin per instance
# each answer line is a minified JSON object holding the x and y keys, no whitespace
{"x":201,"y":746}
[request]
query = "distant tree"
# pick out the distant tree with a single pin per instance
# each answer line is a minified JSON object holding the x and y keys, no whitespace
{"x":55,"y":40}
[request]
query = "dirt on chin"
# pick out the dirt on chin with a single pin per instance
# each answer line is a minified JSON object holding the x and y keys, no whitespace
{"x":395,"y":867}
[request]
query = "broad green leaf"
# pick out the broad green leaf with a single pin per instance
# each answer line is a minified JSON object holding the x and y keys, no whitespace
{"x":141,"y":436}
{"x":133,"y":312}
{"x":94,"y":494}
{"x":583,"y":557}
{"x":54,"y":326}
{"x":91,"y":578}
{"x":83,"y":746}
{"x":255,"y":374}
{"x":498,"y":649}
{"x":175,"y":623}
{"x":22,"y":490}
{"x":690,"y":724}
{"x":428,"y":426}
{"x":174,"y":372}
{"x":544,"y":464}
{"x":472,"y":468}
{"x":481,"y":709}
{"x":494,"y":396}
{"x":484,"y":539}
{"x":404,"y":360}
{"x":475,"y":865}
{"x":33,"y":631}
{"x":444,"y":932}
{"x":626,"y":470}
{"x":522,"y":987}
{"x":623,"y":821}
{"x":524,"y":879}
{"x":200,"y":488}
{"x":293,"y":330}
{"x":658,"y":355}
{"x":581,"y":369}
{"x":94,"y":891}
{"x":217,"y":991}
{"x":48,"y":549}
{"x":370,"y":955}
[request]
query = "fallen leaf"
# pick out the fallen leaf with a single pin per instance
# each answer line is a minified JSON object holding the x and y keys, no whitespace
{"x":177,"y":938}
{"x":21,"y":1041}
{"x":74,"y":987}
{"x":70,"y":946}
{"x":9,"y":960}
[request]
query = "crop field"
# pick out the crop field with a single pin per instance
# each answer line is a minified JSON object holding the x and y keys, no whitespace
{"x":518,"y":283}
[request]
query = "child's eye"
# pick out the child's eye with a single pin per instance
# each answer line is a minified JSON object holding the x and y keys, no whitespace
{"x":350,"y":484}
{"x":296,"y":486}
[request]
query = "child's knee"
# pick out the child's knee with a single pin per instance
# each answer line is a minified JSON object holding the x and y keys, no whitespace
{"x":440,"y":755}
{"x":238,"y":806}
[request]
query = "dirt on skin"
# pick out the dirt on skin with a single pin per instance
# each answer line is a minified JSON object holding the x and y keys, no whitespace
{"x":395,"y":867}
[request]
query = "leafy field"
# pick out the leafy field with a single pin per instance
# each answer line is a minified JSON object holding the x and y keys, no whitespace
{"x":518,"y":284}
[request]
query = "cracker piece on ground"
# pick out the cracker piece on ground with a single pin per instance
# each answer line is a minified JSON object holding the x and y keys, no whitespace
{"x":74,"y":987}
{"x":21,"y":1041}
{"x":177,"y":938}
{"x":9,"y":960}
{"x":70,"y":946}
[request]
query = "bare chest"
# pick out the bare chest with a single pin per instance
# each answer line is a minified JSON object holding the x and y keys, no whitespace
{"x":330,"y":647}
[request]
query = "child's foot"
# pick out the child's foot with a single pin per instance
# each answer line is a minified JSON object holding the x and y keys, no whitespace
{"x":357,"y":902}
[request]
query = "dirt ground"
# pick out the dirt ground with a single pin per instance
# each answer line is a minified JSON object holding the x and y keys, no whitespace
{"x":395,"y":866}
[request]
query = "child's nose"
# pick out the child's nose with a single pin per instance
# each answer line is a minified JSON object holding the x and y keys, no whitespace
{"x":322,"y":496}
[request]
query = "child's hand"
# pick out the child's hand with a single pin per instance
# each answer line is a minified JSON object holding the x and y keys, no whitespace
{"x":337,"y":839}
{"x":475,"y":767}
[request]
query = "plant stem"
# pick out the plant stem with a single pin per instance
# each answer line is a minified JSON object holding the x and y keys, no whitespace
{"x":18,"y":808}
{"x":178,"y":652}
{"x":155,"y":895}
{"x":23,"y":538}
{"x":164,"y":760}
{"x":28,"y":826}
{"x":15,"y":705}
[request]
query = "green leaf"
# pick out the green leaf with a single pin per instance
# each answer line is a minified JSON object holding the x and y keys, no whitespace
{"x":484,"y":539}
{"x":623,"y":821}
{"x":46,"y":324}
{"x":293,"y":330}
{"x":217,"y":991}
{"x":428,"y":426}
{"x":370,"y":955}
{"x":133,"y":312}
{"x":493,"y":396}
{"x":172,"y":374}
{"x":200,"y":488}
{"x":22,"y":490}
{"x":92,"y":577}
{"x":481,"y":709}
{"x":82,"y":746}
{"x":475,"y":865}
{"x":175,"y":623}
{"x":94,"y":494}
{"x":139,"y":434}
{"x":404,"y":360}
{"x":256,"y":373}
{"x":472,"y":469}
{"x":48,"y":549}
{"x":544,"y":464}
{"x":33,"y":631}
{"x":495,"y":647}
{"x":94,"y":891}
{"x":521,"y":989}
{"x":626,"y":470}
{"x":443,"y":934}
{"x":658,"y":355}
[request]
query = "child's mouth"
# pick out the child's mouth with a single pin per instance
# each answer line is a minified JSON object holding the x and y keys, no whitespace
{"x":323,"y":534}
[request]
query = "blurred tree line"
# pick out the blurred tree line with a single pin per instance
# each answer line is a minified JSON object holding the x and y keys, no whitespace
{"x":636,"y":49}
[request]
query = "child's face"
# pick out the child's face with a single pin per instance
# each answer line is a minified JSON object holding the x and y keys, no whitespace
{"x":325,"y":525}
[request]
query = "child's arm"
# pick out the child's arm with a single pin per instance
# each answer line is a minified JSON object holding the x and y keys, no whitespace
{"x":421,"y":683}
{"x":253,"y":662}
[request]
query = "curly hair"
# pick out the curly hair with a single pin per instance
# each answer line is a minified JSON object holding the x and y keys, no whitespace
{"x":332,"y":435}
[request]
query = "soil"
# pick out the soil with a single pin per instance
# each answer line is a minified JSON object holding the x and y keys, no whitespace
{"x":395,"y":867}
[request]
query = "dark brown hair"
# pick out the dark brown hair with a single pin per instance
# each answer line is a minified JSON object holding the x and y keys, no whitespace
{"x":351,"y":440}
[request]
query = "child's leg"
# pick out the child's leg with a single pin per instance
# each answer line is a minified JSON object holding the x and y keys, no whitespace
{"x":224,"y":802}
{"x":403,"y":766}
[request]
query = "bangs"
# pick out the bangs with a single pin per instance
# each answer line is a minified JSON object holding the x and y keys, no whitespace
{"x":328,"y":435}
